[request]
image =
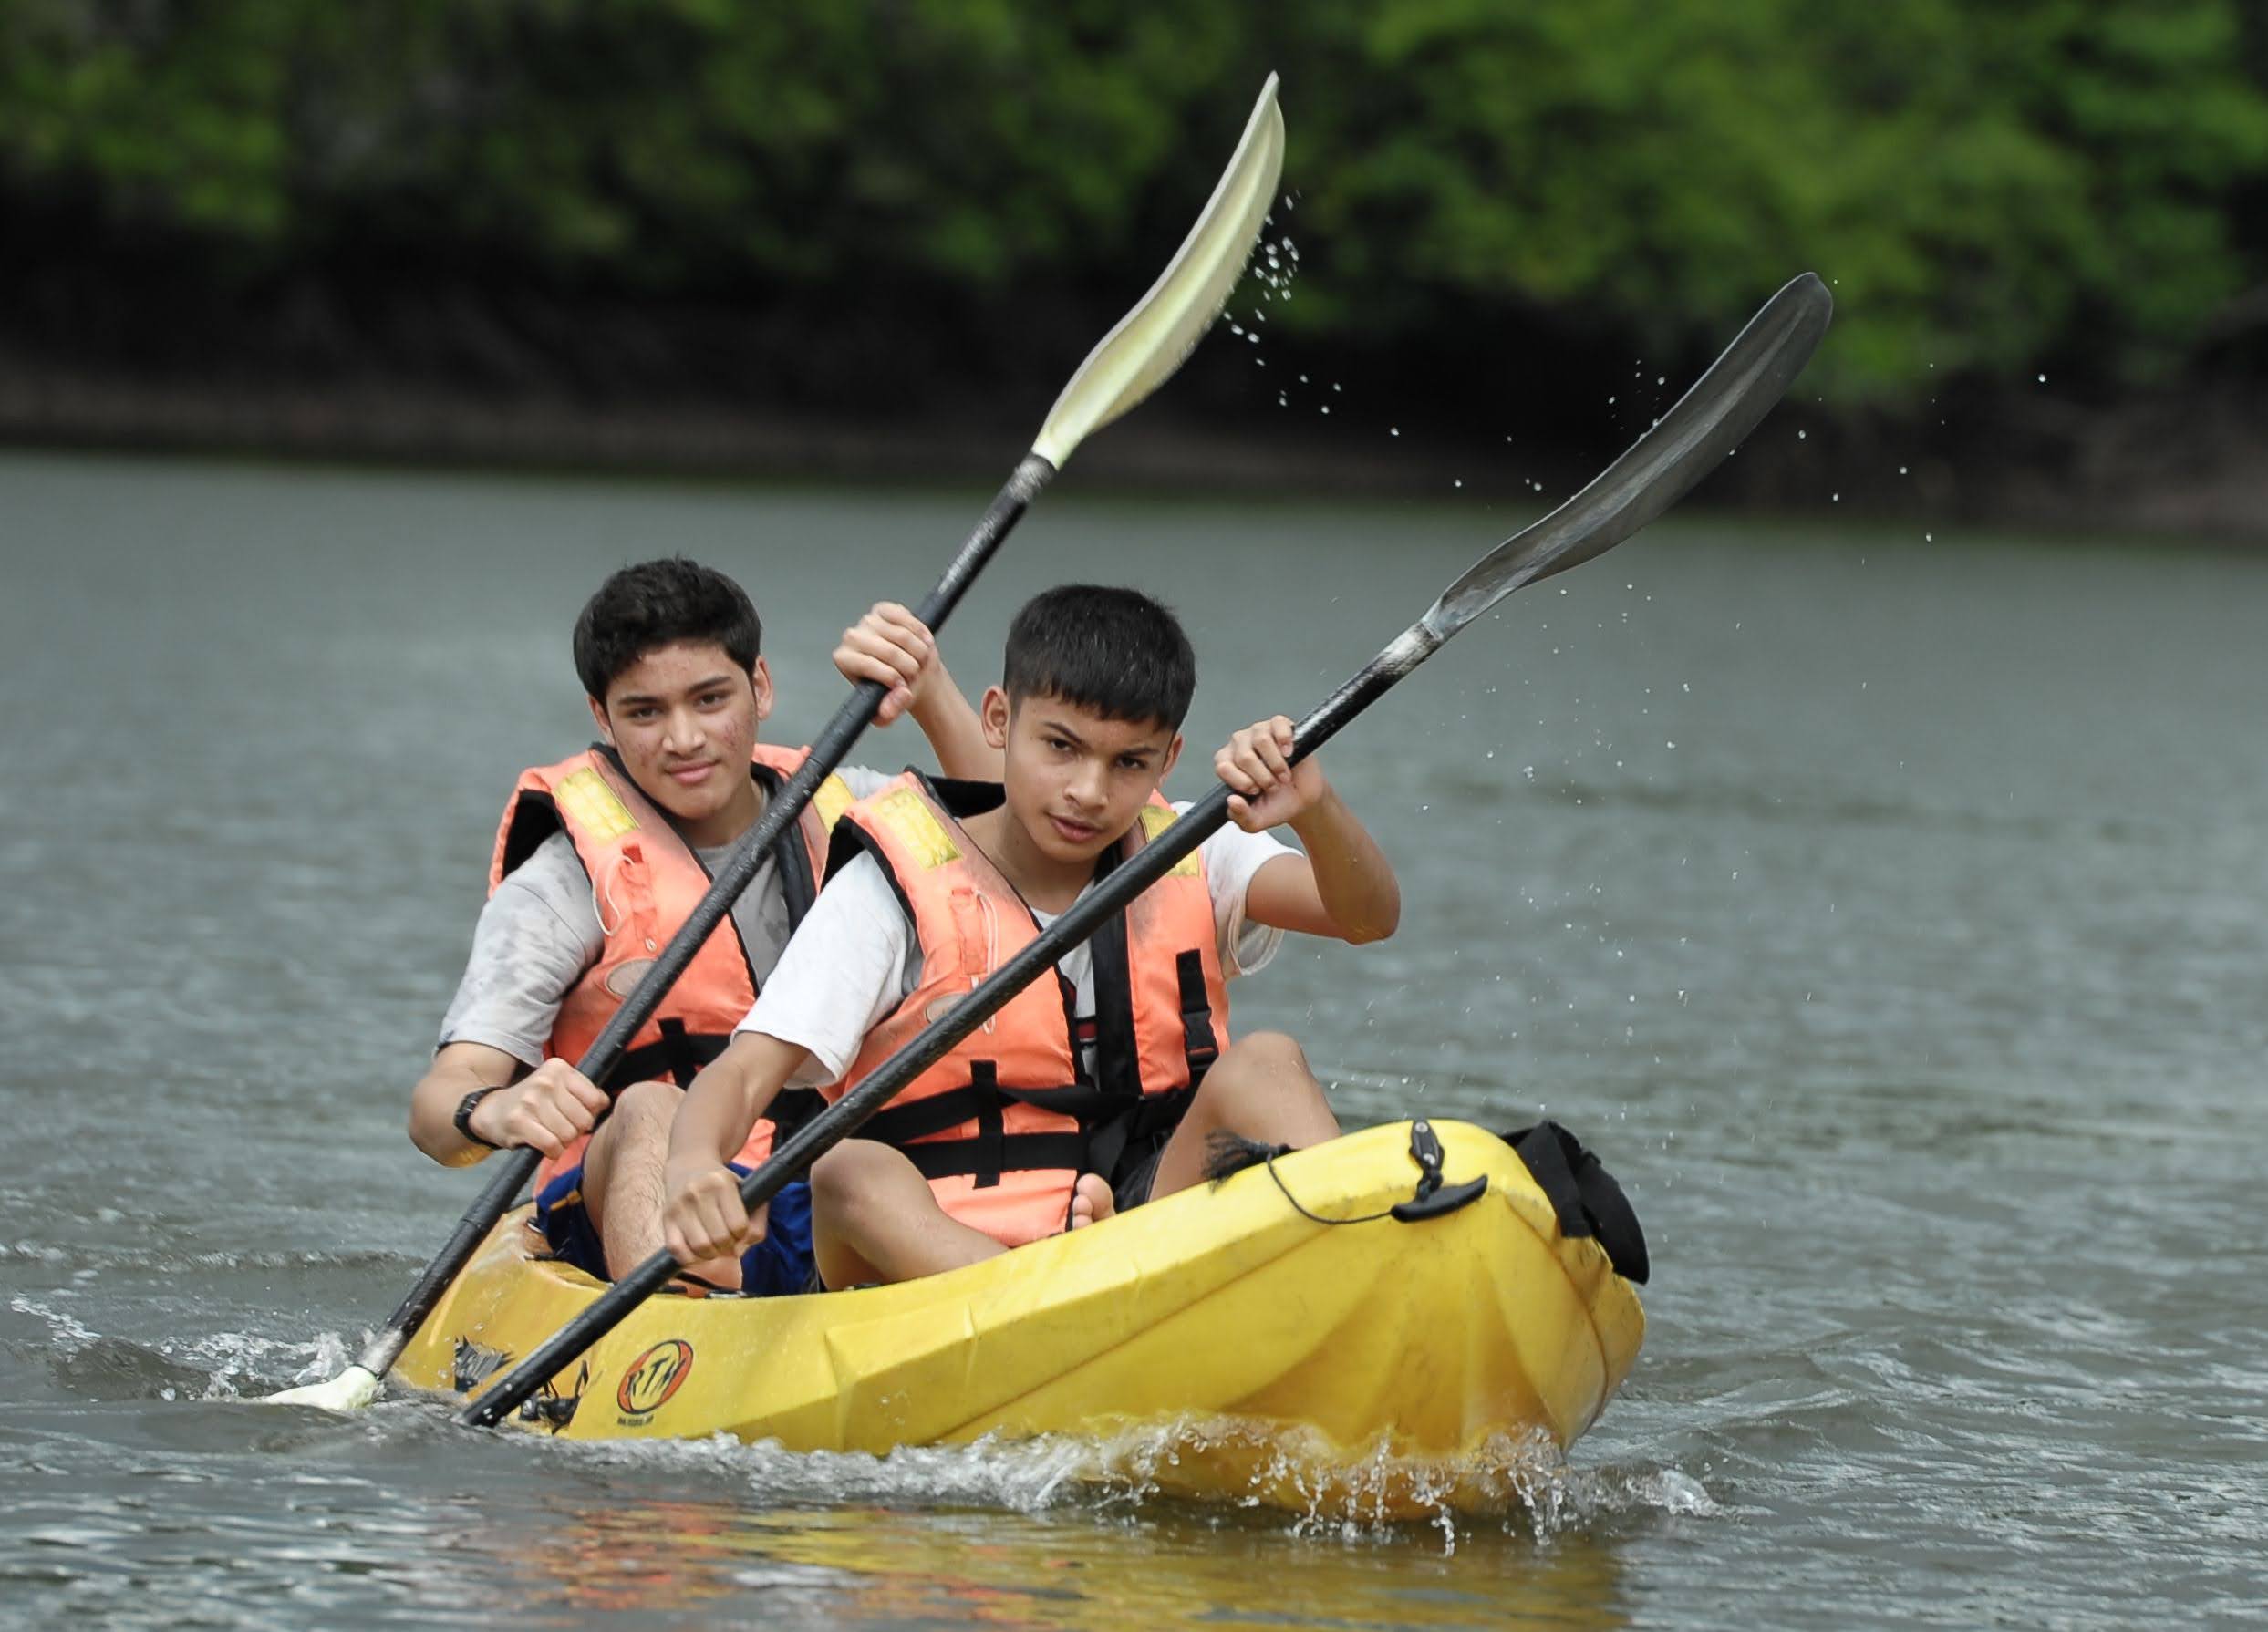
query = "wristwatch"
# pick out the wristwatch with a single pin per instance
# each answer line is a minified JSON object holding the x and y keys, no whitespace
{"x":463,"y":1119}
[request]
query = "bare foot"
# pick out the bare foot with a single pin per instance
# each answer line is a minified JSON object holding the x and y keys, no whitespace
{"x":1091,"y":1200}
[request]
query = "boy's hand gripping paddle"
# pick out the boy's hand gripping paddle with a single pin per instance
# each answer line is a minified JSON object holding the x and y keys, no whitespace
{"x":1724,"y":406}
{"x":1132,"y":361}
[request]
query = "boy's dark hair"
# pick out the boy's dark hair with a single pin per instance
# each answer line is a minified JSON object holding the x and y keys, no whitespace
{"x":657,"y":603}
{"x":1115,"y":651}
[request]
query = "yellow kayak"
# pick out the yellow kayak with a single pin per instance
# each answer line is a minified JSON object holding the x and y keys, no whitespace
{"x":1281,"y":1335}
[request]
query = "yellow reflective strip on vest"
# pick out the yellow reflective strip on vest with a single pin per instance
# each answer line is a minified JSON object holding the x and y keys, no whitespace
{"x":588,"y":804}
{"x":907,"y":815}
{"x":1155,"y":820}
{"x":833,"y":799}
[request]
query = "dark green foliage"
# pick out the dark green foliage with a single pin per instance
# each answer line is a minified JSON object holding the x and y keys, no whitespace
{"x":1986,"y":183}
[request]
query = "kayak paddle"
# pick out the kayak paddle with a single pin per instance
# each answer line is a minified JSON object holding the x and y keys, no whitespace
{"x":1723,"y":406}
{"x":1139,"y":354}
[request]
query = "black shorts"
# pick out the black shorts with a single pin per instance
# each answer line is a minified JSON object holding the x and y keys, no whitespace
{"x":1138,"y":1170}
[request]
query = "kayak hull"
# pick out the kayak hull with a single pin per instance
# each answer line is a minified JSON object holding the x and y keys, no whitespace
{"x":1246,"y":1349}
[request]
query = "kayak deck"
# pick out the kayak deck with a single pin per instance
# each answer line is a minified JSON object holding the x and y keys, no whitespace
{"x":1287,"y":1354}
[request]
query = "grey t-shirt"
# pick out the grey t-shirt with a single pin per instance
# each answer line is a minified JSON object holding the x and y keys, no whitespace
{"x":540,"y":931}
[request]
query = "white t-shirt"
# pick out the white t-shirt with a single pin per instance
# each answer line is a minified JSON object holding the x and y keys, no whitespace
{"x":855,"y":959}
{"x":540,"y":931}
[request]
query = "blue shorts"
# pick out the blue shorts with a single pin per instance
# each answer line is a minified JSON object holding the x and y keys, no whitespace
{"x":777,"y":1266}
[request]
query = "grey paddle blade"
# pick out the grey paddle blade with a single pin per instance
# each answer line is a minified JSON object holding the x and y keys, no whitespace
{"x":1709,"y":421}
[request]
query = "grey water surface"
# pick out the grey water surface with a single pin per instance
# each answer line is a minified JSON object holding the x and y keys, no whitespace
{"x":1892,"y":916}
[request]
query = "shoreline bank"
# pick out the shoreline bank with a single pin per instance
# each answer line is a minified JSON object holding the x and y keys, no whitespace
{"x":2195,"y":467}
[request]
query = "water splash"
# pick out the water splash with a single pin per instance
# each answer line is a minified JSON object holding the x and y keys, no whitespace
{"x":1517,"y":1486}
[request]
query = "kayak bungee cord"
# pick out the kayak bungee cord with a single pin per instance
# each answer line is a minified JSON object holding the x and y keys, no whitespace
{"x":1707,"y":423}
{"x":1140,"y":352}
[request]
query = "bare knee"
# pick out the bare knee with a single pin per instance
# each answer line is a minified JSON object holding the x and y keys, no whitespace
{"x":649,"y":1102}
{"x":863,"y":1197}
{"x":640,"y":1120}
{"x":854,"y":1171}
{"x":1263,"y":1088}
{"x":1264,"y":1053}
{"x":622,"y":1172}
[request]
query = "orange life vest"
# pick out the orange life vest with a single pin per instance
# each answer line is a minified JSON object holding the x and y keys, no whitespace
{"x":645,"y":883}
{"x":1004,"y":1124}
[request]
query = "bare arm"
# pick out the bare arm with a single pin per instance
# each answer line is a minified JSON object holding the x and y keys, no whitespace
{"x":892,"y":645}
{"x":545,"y":1110}
{"x":702,"y":1216}
{"x":457,"y":1069}
{"x":1344,"y":887}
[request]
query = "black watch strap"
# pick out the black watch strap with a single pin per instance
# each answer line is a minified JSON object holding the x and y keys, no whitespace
{"x":463,"y":1119}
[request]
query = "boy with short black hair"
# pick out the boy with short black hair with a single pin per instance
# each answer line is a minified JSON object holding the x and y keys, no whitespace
{"x":601,"y":859}
{"x":1083,"y":1095}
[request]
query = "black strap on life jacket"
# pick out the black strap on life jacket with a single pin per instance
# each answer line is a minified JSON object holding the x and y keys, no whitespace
{"x":678,"y":1057}
{"x":992,"y":1151}
{"x":1589,"y":1202}
{"x":1106,"y":1122}
{"x":535,"y":818}
{"x":1018,"y":1153}
{"x":1129,"y":1122}
{"x":1117,"y":1119}
{"x":1197,"y":1016}
{"x":796,"y":883}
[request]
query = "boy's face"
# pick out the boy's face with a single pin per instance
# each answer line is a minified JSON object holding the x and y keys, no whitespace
{"x":684,"y":718}
{"x":1075,"y":781}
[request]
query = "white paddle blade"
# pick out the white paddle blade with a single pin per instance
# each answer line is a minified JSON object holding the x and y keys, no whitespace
{"x":1150,"y":342}
{"x":350,"y":1390}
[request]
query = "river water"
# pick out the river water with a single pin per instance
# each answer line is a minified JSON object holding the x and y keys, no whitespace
{"x":1891,"y":915}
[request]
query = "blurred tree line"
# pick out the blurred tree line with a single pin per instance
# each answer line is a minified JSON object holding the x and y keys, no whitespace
{"x":472,"y":184}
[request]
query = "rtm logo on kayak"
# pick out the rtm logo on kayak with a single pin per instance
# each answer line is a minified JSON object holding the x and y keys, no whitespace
{"x":651,"y":1379}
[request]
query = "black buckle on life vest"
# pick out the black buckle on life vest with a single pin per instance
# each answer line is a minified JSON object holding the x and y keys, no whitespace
{"x":1198,"y":1041}
{"x":989,"y":1154}
{"x":1434,"y":1199}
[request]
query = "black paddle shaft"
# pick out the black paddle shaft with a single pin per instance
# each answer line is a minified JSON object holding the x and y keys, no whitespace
{"x":748,"y":857}
{"x":1707,"y":423}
